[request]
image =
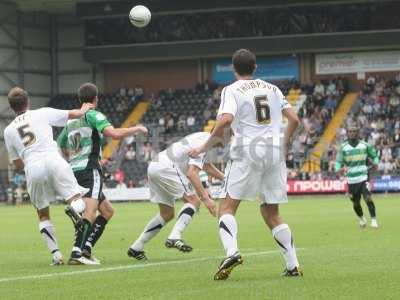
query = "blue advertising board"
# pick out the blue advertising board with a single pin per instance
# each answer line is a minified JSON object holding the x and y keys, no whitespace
{"x":386,"y":184}
{"x":268,"y":69}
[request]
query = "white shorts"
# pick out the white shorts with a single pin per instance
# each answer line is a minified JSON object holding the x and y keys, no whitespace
{"x":167,"y":184}
{"x":49,"y":178}
{"x":246,"y":180}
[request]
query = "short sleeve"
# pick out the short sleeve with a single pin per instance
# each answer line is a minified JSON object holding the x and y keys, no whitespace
{"x":55,"y":117}
{"x":62,"y":139}
{"x":198,"y":161}
{"x":284,"y":104}
{"x":97,"y":120}
{"x":12,"y":153}
{"x":228,"y":103}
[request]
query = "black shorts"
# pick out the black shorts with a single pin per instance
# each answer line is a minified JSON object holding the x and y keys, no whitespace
{"x":91,"y":179}
{"x":357,"y":190}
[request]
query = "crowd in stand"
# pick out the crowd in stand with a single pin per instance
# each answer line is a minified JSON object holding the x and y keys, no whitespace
{"x":316,"y":112}
{"x":377,"y":114}
{"x":243,"y":23}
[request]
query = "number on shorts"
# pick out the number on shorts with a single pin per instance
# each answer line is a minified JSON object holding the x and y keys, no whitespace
{"x":262,"y":109}
{"x":27,"y":136}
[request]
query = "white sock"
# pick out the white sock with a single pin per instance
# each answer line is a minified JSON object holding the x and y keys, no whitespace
{"x":228,"y":234}
{"x":48,"y":233}
{"x":150,"y":231}
{"x":184,"y":218}
{"x":283,"y":236}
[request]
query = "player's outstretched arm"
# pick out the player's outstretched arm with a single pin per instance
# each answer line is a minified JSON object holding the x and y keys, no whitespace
{"x":79,"y":113}
{"x":293,"y":123}
{"x":213,"y":171}
{"x":194,"y":178}
{"x":216,"y":137}
{"x":120,"y":133}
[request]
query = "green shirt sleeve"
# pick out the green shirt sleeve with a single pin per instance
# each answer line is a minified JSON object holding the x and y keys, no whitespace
{"x":339,"y":159}
{"x":97,"y":120}
{"x":371,"y":152}
{"x":62,"y":139}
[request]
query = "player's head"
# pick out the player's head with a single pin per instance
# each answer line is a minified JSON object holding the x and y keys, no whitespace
{"x":18,"y":100}
{"x":244,"y":62}
{"x":353,"y":133}
{"x":88,"y":93}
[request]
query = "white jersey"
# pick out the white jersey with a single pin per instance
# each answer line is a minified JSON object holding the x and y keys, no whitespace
{"x":257,"y":109}
{"x":30,"y":137}
{"x":176,"y":154}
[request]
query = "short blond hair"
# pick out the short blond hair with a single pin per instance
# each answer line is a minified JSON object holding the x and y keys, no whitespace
{"x":18,"y":99}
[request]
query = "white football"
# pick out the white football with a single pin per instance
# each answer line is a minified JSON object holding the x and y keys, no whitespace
{"x":140,"y":16}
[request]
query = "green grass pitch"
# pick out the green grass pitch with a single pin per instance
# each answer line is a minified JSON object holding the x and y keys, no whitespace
{"x":340,"y":260}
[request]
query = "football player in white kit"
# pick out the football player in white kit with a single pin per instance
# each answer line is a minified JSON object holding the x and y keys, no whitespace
{"x":174,"y":175}
{"x":30,"y":145}
{"x":254,"y":109}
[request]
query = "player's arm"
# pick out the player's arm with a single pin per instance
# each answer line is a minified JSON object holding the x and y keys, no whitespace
{"x":213,"y":171}
{"x":339,"y":164}
{"x":59,"y":117}
{"x":12,"y":152}
{"x":79,"y":113}
{"x":373,"y":156}
{"x":120,"y":133}
{"x":99,"y":121}
{"x":293,"y":123}
{"x":194,"y":178}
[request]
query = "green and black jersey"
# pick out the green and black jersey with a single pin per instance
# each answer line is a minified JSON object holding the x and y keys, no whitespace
{"x":356,"y":160}
{"x":82,"y":139}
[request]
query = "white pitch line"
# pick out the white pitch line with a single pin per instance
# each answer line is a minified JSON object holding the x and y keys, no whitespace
{"x":128,"y":267}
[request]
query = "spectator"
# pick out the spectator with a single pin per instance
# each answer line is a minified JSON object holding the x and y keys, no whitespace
{"x":131,"y":184}
{"x":319,"y":90}
{"x":119,"y":175}
{"x":191,"y":121}
{"x":130,"y":154}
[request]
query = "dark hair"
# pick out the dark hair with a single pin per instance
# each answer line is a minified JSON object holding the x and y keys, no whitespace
{"x":87,"y":92}
{"x":244,"y":62}
{"x":18,"y":99}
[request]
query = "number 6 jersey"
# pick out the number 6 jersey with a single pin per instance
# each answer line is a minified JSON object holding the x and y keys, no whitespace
{"x":257,"y":109}
{"x":30,"y":136}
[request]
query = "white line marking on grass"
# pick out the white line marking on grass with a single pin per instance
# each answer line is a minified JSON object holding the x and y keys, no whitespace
{"x":127,"y":267}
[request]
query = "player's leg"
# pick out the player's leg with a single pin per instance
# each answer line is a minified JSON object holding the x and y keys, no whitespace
{"x":106,"y":213}
{"x":82,"y":232}
{"x":241,"y":181}
{"x":283,"y":237}
{"x":367,"y":195}
{"x":185,"y":217}
{"x":228,"y":231}
{"x":355,"y":197}
{"x":153,"y":227}
{"x":42,"y":192}
{"x":48,"y":233}
{"x":273,"y":193}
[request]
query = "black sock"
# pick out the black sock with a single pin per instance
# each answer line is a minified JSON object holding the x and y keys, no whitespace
{"x":358,"y":209}
{"x":96,"y":232}
{"x":371,"y":208}
{"x":82,"y":233}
